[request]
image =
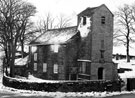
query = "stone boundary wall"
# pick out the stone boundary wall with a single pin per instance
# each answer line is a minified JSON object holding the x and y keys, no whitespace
{"x":64,"y":86}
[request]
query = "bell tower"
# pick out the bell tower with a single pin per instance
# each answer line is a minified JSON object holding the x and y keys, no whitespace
{"x":95,"y":56}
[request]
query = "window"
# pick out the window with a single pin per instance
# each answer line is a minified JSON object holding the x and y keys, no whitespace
{"x":35,"y":56}
{"x":35,"y":66}
{"x":84,"y":20}
{"x":55,"y":48}
{"x":103,"y":20}
{"x":44,"y":67}
{"x":55,"y":68}
{"x":33,"y":49}
{"x":83,"y":67}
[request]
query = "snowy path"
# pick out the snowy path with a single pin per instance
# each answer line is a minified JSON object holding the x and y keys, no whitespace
{"x":10,"y":95}
{"x":23,"y":95}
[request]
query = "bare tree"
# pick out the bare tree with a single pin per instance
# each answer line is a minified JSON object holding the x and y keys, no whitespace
{"x":124,"y":17}
{"x":49,"y":22}
{"x":63,"y":22}
{"x":14,"y":17}
{"x":46,"y":23}
{"x":25,"y":35}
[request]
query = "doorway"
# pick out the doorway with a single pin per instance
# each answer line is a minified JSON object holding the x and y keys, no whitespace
{"x":101,"y":73}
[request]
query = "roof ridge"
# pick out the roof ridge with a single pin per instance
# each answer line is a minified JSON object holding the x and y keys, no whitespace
{"x":61,"y":28}
{"x":92,"y":7}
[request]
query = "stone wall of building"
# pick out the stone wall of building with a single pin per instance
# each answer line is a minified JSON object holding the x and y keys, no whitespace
{"x":66,"y":58}
{"x":100,"y":38}
{"x":109,"y":70}
{"x":71,"y":56}
{"x":102,"y":32}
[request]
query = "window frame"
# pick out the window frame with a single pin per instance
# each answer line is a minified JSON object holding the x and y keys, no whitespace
{"x":103,"y":20}
{"x":35,"y":56}
{"x":35,"y":67}
{"x":83,"y":68}
{"x":44,"y":67}
{"x":84,"y":20}
{"x":55,"y":68}
{"x":55,"y":48}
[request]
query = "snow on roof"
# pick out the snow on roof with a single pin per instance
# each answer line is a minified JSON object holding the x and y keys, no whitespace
{"x":55,"y":36}
{"x":127,"y":74}
{"x":17,"y":54}
{"x":123,"y":64}
{"x":21,"y":61}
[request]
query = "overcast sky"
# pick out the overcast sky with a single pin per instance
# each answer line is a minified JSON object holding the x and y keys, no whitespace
{"x":71,"y":8}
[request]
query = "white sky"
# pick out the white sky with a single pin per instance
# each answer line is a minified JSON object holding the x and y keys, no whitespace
{"x":71,"y":8}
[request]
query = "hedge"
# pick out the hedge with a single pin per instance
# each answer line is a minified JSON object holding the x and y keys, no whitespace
{"x":65,"y":86}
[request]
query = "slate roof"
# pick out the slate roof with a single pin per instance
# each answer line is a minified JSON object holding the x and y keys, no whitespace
{"x":88,"y":11}
{"x":55,"y":36}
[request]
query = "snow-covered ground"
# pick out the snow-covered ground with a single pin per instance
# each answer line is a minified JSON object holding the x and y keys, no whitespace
{"x":127,"y":74}
{"x":123,"y":64}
